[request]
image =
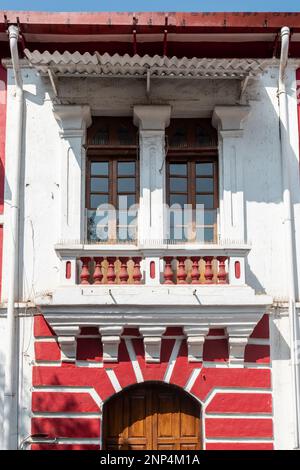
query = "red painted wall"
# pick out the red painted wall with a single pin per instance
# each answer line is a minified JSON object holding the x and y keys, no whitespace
{"x":237,"y":401}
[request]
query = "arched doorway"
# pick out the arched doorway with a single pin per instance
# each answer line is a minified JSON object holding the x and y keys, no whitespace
{"x":152,"y":416}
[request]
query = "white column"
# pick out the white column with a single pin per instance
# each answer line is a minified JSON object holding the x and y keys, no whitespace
{"x":73,"y":121}
{"x":229,"y":122}
{"x":152,"y":121}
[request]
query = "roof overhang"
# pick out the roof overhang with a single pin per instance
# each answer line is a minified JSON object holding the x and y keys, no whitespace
{"x":180,"y":34}
{"x":96,"y":65}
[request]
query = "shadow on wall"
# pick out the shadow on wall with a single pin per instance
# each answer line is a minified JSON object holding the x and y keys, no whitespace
{"x":64,"y":427}
{"x":2,"y":384}
{"x":262,"y":182}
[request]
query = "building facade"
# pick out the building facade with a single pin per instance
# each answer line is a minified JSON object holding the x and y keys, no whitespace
{"x":150,"y":222}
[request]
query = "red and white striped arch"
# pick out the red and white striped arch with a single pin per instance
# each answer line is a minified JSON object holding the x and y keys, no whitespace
{"x":67,"y":398}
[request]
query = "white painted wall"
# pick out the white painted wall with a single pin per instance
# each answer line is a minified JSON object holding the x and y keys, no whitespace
{"x":261,"y":180}
{"x":260,"y":155}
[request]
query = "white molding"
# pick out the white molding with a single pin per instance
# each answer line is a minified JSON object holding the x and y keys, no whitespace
{"x":192,"y":379}
{"x":152,"y":320}
{"x":69,"y":389}
{"x":111,"y":338}
{"x":132,"y":356}
{"x":114,"y":380}
{"x":173,"y":357}
{"x":67,"y":340}
{"x":195,"y":341}
{"x":237,"y":340}
{"x":152,"y":337}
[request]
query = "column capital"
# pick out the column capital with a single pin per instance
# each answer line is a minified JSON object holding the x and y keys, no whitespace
{"x":73,"y":119}
{"x":152,"y":117}
{"x":230,"y":118}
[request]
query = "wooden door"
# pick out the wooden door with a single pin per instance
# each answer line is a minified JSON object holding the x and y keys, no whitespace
{"x":151,"y":417}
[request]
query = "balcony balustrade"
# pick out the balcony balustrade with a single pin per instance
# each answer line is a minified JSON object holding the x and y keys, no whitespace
{"x":118,"y":265}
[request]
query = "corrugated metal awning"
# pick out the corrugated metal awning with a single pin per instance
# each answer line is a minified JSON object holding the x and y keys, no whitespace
{"x":96,"y":65}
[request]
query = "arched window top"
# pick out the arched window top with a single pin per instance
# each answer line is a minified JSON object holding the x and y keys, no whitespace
{"x":191,"y":133}
{"x":110,"y":131}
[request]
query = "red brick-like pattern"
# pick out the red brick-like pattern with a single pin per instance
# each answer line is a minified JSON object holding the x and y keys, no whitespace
{"x":237,"y":402}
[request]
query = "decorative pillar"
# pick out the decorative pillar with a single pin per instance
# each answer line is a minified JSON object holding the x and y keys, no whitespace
{"x":73,"y":121}
{"x":229,"y":122}
{"x":110,"y":337}
{"x":67,"y":340}
{"x":152,"y":121}
{"x":152,"y":336}
{"x":195,"y":341}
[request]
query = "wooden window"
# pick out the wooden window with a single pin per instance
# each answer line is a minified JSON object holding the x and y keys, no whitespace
{"x":112,"y":178}
{"x":192,"y":178}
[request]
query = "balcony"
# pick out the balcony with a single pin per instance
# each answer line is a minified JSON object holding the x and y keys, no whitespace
{"x":169,"y":265}
{"x":113,"y":287}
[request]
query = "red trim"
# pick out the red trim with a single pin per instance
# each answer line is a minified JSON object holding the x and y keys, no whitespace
{"x":68,"y":270}
{"x":152,"y":269}
{"x":122,"y":21}
{"x":237,"y":269}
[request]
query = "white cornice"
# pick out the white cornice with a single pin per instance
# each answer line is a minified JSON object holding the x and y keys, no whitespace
{"x":237,"y":323}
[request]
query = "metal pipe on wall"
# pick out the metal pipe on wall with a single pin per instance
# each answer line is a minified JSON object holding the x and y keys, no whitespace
{"x":288,"y":226}
{"x":10,"y":391}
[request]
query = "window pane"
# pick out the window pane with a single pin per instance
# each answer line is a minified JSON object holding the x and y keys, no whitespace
{"x":126,"y":168}
{"x":210,"y":217}
{"x":99,"y":168}
{"x":178,"y":169}
{"x":204,"y":169}
{"x":204,"y":185}
{"x":98,"y":199}
{"x":208,"y":234}
{"x":99,"y":185}
{"x":180,"y":199}
{"x":126,"y":185}
{"x":207,"y":200}
{"x":178,"y":184}
{"x":204,"y":234}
